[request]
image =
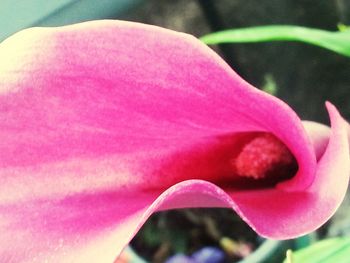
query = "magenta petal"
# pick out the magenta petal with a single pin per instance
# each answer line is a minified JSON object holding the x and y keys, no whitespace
{"x":103,"y":123}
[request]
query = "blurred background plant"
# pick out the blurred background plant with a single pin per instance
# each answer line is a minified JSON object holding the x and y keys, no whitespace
{"x":326,"y":251}
{"x":303,"y":75}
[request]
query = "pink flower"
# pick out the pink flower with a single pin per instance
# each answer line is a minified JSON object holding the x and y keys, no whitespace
{"x":105,"y":122}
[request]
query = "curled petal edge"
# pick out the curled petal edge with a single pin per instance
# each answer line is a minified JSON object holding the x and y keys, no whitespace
{"x":321,"y":200}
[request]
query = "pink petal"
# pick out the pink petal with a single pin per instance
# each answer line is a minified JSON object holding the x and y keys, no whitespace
{"x":103,"y":123}
{"x":319,"y":135}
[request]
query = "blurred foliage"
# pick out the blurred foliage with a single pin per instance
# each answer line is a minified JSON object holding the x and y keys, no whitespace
{"x":270,"y":85}
{"x":326,"y":251}
{"x":338,"y":41}
{"x":186,"y":231}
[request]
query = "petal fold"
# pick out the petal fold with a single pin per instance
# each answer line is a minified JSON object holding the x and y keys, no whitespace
{"x":103,"y":123}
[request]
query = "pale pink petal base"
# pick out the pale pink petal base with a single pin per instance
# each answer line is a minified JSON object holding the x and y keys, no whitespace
{"x":104,"y":123}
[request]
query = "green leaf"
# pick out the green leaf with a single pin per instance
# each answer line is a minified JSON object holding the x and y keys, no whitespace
{"x":326,"y":251}
{"x":338,"y":41}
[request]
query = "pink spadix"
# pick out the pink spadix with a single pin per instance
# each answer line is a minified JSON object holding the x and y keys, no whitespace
{"x":264,"y":156}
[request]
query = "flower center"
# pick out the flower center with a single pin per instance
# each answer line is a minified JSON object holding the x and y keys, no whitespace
{"x":262,"y":157}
